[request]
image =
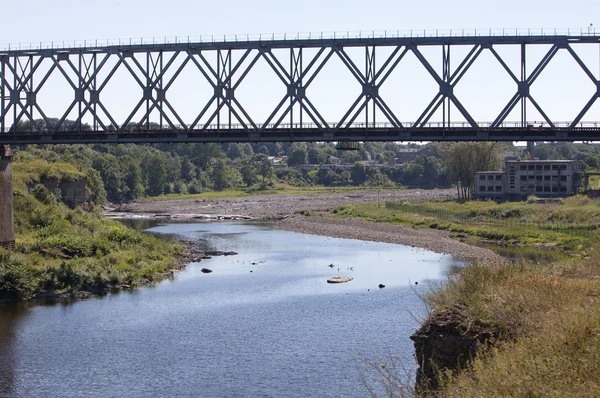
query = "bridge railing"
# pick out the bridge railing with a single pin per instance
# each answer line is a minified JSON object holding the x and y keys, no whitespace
{"x":235,"y":38}
{"x":312,"y":126}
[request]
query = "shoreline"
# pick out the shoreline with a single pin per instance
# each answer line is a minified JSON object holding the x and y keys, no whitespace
{"x":350,"y":228}
{"x":283,"y":212}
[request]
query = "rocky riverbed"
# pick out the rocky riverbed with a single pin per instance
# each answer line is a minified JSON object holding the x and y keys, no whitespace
{"x":283,"y":211}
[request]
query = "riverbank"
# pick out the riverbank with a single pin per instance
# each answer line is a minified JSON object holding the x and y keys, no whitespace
{"x":66,"y":252}
{"x":348,"y":228}
{"x":532,"y":327}
{"x":288,"y":213}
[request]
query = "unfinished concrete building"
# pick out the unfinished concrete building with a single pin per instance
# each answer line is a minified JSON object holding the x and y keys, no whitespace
{"x":521,"y":178}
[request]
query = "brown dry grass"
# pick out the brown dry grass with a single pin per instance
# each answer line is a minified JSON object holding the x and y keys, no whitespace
{"x":550,"y":322}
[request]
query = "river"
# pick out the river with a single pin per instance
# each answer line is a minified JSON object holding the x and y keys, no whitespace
{"x":264,"y":324}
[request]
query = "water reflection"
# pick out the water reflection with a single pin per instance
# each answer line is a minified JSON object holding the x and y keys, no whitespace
{"x":10,"y":316}
{"x":264,"y":323}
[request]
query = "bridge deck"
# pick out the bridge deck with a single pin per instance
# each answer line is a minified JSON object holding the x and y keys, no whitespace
{"x":307,"y":135}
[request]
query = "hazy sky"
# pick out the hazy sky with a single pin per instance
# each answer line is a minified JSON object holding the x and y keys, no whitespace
{"x":36,"y":20}
{"x":562,"y":89}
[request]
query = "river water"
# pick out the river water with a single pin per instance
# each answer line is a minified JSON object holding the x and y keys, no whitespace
{"x":264,"y":324}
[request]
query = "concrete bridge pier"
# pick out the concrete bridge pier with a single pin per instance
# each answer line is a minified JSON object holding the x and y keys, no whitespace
{"x":7,"y":227}
{"x":531,"y":149}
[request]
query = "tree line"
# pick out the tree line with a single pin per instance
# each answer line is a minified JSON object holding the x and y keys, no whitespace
{"x":124,"y":172}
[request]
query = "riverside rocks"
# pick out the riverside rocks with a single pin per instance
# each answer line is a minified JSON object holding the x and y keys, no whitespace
{"x":447,"y":341}
{"x":339,"y":279}
{"x":274,"y":206}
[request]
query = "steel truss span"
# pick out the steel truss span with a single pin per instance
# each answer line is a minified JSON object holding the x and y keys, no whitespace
{"x":223,"y":117}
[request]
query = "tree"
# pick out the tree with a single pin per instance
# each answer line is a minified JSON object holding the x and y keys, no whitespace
{"x":264,"y":168}
{"x":224,"y":177}
{"x":317,"y":156}
{"x":133,"y":188}
{"x":188,"y":170}
{"x":298,"y":157}
{"x":359,"y":176}
{"x":234,"y":151}
{"x":263,"y":149}
{"x":157,"y":175}
{"x":248,"y":172}
{"x":463,"y":159}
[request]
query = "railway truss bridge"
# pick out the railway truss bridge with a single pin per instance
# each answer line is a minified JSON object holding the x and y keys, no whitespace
{"x":86,"y":68}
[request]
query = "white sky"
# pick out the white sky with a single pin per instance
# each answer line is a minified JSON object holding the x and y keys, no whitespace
{"x":561,"y":90}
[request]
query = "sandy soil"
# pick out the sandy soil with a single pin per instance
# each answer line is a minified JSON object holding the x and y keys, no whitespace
{"x":430,"y":239}
{"x":274,"y":206}
{"x":282,"y":210}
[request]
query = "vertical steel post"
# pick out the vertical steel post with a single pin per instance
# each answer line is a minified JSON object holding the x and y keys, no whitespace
{"x":219,"y":88}
{"x":148,"y":85}
{"x":160,"y":61}
{"x":15,"y":88}
{"x":228,"y":86}
{"x":446,"y":78}
{"x":80,"y":87}
{"x":292,"y":84}
{"x":523,"y":81}
{"x":30,"y":92}
{"x":94,"y":88}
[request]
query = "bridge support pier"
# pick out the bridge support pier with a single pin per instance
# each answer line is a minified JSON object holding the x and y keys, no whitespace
{"x":531,"y":149}
{"x":7,"y":227}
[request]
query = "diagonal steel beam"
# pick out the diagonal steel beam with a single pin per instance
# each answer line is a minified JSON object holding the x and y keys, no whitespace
{"x":346,"y":60}
{"x":465,"y":65}
{"x":504,"y":65}
{"x":541,"y":111}
{"x":506,"y":110}
{"x":585,"y":109}
{"x":581,"y":64}
{"x":542,"y":64}
{"x":391,"y":69}
{"x":430,"y":109}
{"x":426,"y":64}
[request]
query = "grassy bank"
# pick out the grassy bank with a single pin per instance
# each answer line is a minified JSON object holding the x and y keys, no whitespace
{"x":569,"y":226}
{"x":64,"y":250}
{"x":548,"y":316}
{"x":545,"y":314}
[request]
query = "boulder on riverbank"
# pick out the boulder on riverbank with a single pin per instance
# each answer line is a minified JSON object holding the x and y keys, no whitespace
{"x":447,"y":341}
{"x":339,"y":279}
{"x":219,"y":253}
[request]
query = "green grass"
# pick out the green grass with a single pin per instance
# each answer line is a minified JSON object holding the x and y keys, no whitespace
{"x":568,"y":225}
{"x":30,"y":172}
{"x":65,"y":250}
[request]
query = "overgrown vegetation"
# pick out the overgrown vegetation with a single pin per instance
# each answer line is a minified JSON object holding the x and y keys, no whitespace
{"x":550,"y":318}
{"x":570,"y":225}
{"x":545,"y":314}
{"x":59,"y":249}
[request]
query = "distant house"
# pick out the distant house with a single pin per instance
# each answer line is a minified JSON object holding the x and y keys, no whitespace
{"x":407,"y":155}
{"x":521,"y":178}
